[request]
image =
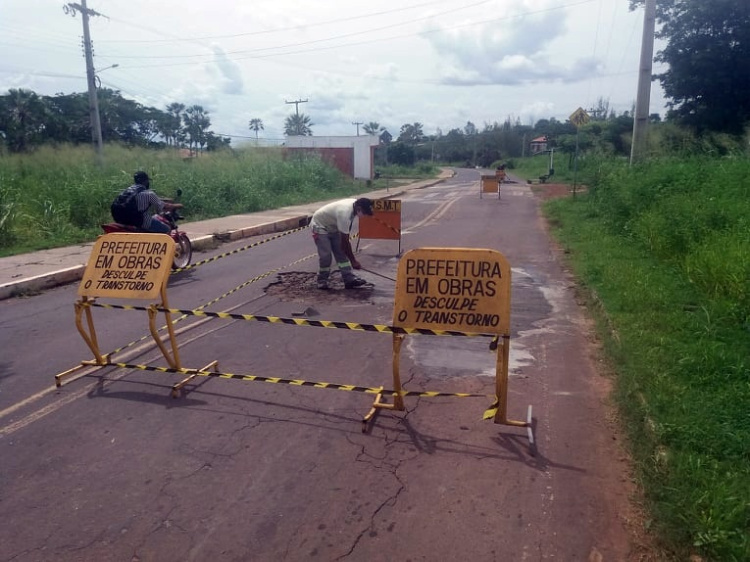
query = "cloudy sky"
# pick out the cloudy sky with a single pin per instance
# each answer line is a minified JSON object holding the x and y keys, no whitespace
{"x":441,"y":63}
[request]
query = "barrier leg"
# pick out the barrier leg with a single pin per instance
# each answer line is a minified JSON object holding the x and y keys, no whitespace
{"x":178,"y":387}
{"x":88,"y":334}
{"x":501,"y":386}
{"x":173,"y":359}
{"x":398,"y":399}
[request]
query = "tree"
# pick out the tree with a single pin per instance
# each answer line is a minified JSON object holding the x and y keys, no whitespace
{"x":708,"y":58}
{"x":401,"y":154}
{"x":256,"y":125}
{"x":69,"y":119}
{"x":27,"y":120}
{"x":197,"y":123}
{"x":171,"y":125}
{"x":22,"y":119}
{"x":601,"y":111}
{"x":298,"y":124}
{"x":372,"y":128}
{"x":411,"y":133}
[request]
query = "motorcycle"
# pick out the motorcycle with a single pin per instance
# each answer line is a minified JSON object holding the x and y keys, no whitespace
{"x":183,"y":252}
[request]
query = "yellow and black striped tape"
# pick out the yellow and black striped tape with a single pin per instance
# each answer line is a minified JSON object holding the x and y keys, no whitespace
{"x":298,"y":382}
{"x":209,"y":303}
{"x":238,"y":250}
{"x":381,"y":328}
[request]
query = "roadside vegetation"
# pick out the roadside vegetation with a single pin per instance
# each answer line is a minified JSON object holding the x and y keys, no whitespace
{"x":662,"y":251}
{"x":57,"y":196}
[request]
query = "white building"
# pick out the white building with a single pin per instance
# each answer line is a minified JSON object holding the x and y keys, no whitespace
{"x":354,"y":156}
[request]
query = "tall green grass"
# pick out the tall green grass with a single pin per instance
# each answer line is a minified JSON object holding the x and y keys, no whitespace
{"x":59,"y":195}
{"x":665,"y":247}
{"x":533,"y":167}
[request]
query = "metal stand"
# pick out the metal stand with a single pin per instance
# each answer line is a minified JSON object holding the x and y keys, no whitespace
{"x":398,"y":399}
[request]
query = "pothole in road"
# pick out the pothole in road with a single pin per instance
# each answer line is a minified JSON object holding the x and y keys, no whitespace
{"x":303,"y":286}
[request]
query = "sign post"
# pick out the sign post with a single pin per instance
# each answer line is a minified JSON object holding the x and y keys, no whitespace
{"x":125,"y":266}
{"x":579,"y":118}
{"x":465,"y":290}
{"x":489,"y":184}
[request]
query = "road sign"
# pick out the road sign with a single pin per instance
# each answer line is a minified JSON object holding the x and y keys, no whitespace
{"x":465,"y":289}
{"x":385,"y":223}
{"x":579,"y":117}
{"x":132,"y":266}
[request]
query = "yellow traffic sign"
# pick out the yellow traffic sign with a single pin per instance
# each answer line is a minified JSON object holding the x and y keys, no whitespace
{"x":579,"y":117}
{"x":466,"y":289}
{"x":128,"y":266}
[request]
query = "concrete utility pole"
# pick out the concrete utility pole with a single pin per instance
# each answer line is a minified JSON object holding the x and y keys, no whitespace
{"x":96,"y":125}
{"x":357,"y":123}
{"x":296,"y":105}
{"x":640,"y":122}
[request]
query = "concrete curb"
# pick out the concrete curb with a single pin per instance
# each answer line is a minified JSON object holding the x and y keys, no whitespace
{"x":41,"y":282}
{"x":44,"y":281}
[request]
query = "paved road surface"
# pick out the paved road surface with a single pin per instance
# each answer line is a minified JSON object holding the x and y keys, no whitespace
{"x":111,"y":468}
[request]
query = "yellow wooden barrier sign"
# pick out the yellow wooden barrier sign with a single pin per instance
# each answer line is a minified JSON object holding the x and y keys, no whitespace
{"x":128,"y":266}
{"x":462,"y":289}
{"x":489,"y":184}
{"x":456,"y":289}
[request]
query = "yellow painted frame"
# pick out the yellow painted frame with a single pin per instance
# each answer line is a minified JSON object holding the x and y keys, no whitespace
{"x":501,"y":343}
{"x":83,"y":306}
{"x":489,"y":184}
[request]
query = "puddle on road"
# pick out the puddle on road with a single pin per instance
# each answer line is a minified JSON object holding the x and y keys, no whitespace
{"x":449,"y":357}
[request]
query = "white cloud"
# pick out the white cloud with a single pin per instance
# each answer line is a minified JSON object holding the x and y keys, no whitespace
{"x":441,"y":65}
{"x":228,"y":72}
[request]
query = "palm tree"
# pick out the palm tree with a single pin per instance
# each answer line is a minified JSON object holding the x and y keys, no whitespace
{"x":256,"y":125}
{"x":23,"y":118}
{"x":372,"y":128}
{"x":196,"y":124}
{"x":298,"y":124}
{"x":411,"y":133}
{"x":171,"y":124}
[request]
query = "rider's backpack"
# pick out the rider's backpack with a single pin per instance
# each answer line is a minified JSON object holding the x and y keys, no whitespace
{"x":125,"y":208}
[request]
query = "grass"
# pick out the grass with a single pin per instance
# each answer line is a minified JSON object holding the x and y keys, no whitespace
{"x":532,"y":167}
{"x":665,"y":249}
{"x":59,"y":196}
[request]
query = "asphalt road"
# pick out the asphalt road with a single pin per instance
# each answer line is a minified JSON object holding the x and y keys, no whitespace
{"x":110,"y":467}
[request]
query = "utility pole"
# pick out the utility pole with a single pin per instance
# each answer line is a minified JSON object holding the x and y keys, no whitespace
{"x":640,"y":121}
{"x":357,"y":123}
{"x":296,"y":105}
{"x":96,"y":125}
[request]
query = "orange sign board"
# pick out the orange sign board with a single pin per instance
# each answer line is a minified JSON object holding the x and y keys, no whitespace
{"x":385,"y":223}
{"x":490,"y":184}
{"x":128,"y":266}
{"x":461,"y":289}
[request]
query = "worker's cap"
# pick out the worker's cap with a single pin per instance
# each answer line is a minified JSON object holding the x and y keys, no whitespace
{"x":365,"y":204}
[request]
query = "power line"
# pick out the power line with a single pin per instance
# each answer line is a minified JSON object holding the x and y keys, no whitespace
{"x":346,"y":45}
{"x":277,"y":30}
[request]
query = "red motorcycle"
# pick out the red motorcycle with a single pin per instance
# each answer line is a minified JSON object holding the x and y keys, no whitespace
{"x":183,"y":252}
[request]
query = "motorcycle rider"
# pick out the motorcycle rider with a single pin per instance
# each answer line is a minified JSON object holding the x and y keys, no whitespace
{"x":147,"y":199}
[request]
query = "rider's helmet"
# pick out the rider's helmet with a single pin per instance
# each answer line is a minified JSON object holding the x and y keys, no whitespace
{"x":141,"y":178}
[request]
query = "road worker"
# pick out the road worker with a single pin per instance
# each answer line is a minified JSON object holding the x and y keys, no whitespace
{"x":331,"y":226}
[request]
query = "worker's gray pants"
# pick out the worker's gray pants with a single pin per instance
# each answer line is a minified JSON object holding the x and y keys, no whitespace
{"x":329,"y":246}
